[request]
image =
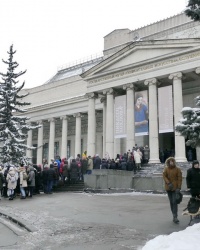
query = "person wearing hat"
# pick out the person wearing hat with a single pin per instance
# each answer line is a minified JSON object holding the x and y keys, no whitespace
{"x":23,"y":177}
{"x":11,"y":178}
{"x":193,"y":179}
{"x":172,"y":176}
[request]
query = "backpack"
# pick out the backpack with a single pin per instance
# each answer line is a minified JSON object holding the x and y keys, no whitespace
{"x":193,"y":205}
{"x":25,"y":176}
{"x":12,"y":179}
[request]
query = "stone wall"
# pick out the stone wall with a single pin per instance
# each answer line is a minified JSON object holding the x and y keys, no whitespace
{"x":117,"y":179}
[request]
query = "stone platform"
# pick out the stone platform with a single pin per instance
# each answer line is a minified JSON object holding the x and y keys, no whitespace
{"x":149,"y":178}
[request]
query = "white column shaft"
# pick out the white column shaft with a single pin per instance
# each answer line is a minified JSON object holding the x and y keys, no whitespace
{"x":104,"y":128}
{"x":130,"y":120}
{"x":64,"y":137}
{"x":78,"y":135}
{"x":40,"y":144}
{"x":153,"y":121}
{"x":91,"y":140}
{"x":110,"y":125}
{"x":178,"y":105}
{"x":51,"y":139}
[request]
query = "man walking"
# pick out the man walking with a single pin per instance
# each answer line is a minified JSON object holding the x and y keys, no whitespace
{"x":173,"y":180}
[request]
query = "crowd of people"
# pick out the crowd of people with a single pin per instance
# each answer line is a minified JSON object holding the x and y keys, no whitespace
{"x":25,"y":180}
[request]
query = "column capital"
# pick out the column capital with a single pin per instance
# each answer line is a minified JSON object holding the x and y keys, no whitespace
{"x":197,"y":70}
{"x":78,"y":115}
{"x":109,"y":91}
{"x":91,"y":95}
{"x":65,"y":117}
{"x":176,"y":76}
{"x":128,"y":86}
{"x":51,"y":119}
{"x":151,"y":81}
{"x":103,"y":99}
{"x":40,"y":122}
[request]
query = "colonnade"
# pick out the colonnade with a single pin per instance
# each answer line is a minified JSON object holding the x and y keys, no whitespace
{"x":108,"y":123}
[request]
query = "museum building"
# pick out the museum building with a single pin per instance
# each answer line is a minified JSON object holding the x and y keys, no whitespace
{"x":92,"y":105}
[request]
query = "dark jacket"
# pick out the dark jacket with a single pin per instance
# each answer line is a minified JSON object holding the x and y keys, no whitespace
{"x":51,"y":175}
{"x":97,"y":162}
{"x":84,"y":166}
{"x":123,"y":165}
{"x":193,"y":178}
{"x":74,"y":171}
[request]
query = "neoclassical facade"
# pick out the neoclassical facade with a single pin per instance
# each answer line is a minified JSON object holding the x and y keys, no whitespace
{"x":77,"y":108}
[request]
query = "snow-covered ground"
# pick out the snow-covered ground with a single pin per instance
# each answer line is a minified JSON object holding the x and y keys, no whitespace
{"x":74,"y":220}
{"x":187,"y":239}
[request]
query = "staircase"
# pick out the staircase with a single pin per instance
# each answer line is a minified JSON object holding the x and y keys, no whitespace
{"x":76,"y":187}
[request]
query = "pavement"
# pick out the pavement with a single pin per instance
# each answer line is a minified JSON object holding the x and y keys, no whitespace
{"x":74,"y":221}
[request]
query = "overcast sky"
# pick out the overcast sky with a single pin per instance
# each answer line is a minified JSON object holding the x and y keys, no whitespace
{"x":50,"y":33}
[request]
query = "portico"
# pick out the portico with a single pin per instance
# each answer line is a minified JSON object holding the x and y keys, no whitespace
{"x":78,"y":113}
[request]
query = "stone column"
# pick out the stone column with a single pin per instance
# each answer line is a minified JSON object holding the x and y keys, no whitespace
{"x":178,"y":105}
{"x":130,"y":119}
{"x":51,"y":139}
{"x":153,"y":121}
{"x":198,"y":148}
{"x":40,"y":143}
{"x":78,"y":134}
{"x":103,"y":100}
{"x":64,"y":136}
{"x":109,"y":123}
{"x":91,"y":135}
{"x":29,"y":153}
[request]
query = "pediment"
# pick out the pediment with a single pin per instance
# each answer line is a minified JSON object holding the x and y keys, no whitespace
{"x":140,"y":53}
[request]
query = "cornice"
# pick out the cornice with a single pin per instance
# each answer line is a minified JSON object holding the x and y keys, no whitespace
{"x":185,"y":55}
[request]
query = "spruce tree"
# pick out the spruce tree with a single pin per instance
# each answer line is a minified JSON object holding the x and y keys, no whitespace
{"x":189,"y":125}
{"x":13,"y":125}
{"x":193,"y":10}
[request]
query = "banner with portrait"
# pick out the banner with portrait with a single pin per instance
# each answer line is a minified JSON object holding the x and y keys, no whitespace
{"x":165,"y":109}
{"x":120,"y":116}
{"x":141,"y":113}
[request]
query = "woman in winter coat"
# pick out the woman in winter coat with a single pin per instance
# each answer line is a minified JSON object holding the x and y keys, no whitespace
{"x":11,"y":178}
{"x":193,"y":179}
{"x":137,"y":158}
{"x":31,"y":181}
{"x":23,"y":181}
{"x":172,"y":176}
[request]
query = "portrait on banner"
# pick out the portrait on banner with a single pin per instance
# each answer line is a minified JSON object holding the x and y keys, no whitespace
{"x":141,"y":113}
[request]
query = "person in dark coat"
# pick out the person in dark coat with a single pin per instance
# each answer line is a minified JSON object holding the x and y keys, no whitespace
{"x":45,"y":179}
{"x":74,"y":170}
{"x":112,"y":164}
{"x":123,"y":164}
{"x":51,"y":176}
{"x":193,"y":179}
{"x":97,"y":162}
{"x":104,"y":164}
{"x":84,"y":167}
{"x":130,"y":165}
{"x":31,"y":180}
